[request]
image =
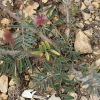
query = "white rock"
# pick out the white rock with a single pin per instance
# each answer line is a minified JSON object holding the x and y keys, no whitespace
{"x":91,"y":9}
{"x":44,"y":1}
{"x":12,"y":82}
{"x":97,"y":1}
{"x":83,"y":6}
{"x":89,"y":32}
{"x":77,"y":0}
{"x":5,"y":21}
{"x":97,"y":18}
{"x":97,"y":62}
{"x":87,"y":2}
{"x":82,"y":43}
{"x":96,"y":52}
{"x":96,"y":4}
{"x":73,"y":95}
{"x":80,"y":25}
{"x":53,"y":97}
{"x":87,"y":22}
{"x":21,"y":98}
{"x":94,"y":97}
{"x":86,"y":16}
{"x":4,"y":96}
{"x":3,"y":83}
{"x":83,"y":98}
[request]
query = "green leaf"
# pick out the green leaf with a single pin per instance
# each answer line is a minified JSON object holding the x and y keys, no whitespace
{"x":50,"y":83}
{"x":57,"y":78}
{"x":49,"y":9}
{"x":53,"y":15}
{"x":67,"y":97}
{"x":48,"y":67}
{"x":20,"y":66}
{"x":15,"y":26}
{"x":59,"y":21}
{"x":67,"y":89}
{"x":28,"y":62}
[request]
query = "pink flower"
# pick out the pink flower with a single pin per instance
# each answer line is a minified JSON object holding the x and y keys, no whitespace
{"x":39,"y":19}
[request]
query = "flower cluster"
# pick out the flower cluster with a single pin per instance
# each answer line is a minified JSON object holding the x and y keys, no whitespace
{"x":39,"y":19}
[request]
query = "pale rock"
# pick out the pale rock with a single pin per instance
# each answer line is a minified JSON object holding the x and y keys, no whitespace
{"x":87,"y":22}
{"x":3,"y":83}
{"x":87,"y":2}
{"x":27,"y":77}
{"x":21,"y":98}
{"x":1,"y":98}
{"x":97,"y":1}
{"x":4,"y":96}
{"x":12,"y":82}
{"x":83,"y":98}
{"x":53,"y":97}
{"x":85,"y":86}
{"x":86,"y":16}
{"x":89,"y":32}
{"x":31,"y":84}
{"x":97,"y":62}
{"x":11,"y":90}
{"x":97,"y":18}
{"x":90,"y":19}
{"x":1,"y":62}
{"x":5,"y":21}
{"x":91,"y":9}
{"x":73,"y":95}
{"x":80,"y":25}
{"x":62,"y":9}
{"x":93,"y":97}
{"x":29,"y":10}
{"x":77,"y":0}
{"x":82,"y":43}
{"x":44,"y":1}
{"x":83,"y":6}
{"x":96,"y":51}
{"x":96,"y":4}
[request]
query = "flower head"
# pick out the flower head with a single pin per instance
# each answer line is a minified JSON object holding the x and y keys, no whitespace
{"x":39,"y":19}
{"x":8,"y":36}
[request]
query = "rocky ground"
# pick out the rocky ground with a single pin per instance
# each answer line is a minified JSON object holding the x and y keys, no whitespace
{"x":86,"y":31}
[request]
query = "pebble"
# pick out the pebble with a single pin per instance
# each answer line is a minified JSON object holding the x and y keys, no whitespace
{"x":82,"y":43}
{"x":86,"y":16}
{"x":83,"y":6}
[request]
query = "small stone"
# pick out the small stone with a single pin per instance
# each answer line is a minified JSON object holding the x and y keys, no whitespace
{"x":31,"y":84}
{"x":3,"y":83}
{"x":97,"y":1}
{"x":27,"y":77}
{"x":89,"y":32}
{"x":97,"y":62}
{"x":87,"y":22}
{"x":94,"y":97}
{"x":91,"y":8}
{"x":4,"y":96}
{"x":97,"y":18}
{"x":83,"y":6}
{"x":83,"y":98}
{"x":77,"y":0}
{"x":73,"y":95}
{"x":21,"y":98}
{"x":62,"y":9}
{"x":87,"y":2}
{"x":86,"y":16}
{"x":82,"y":43}
{"x":96,"y":4}
{"x":12,"y":82}
{"x":80,"y":25}
{"x":90,"y":19}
